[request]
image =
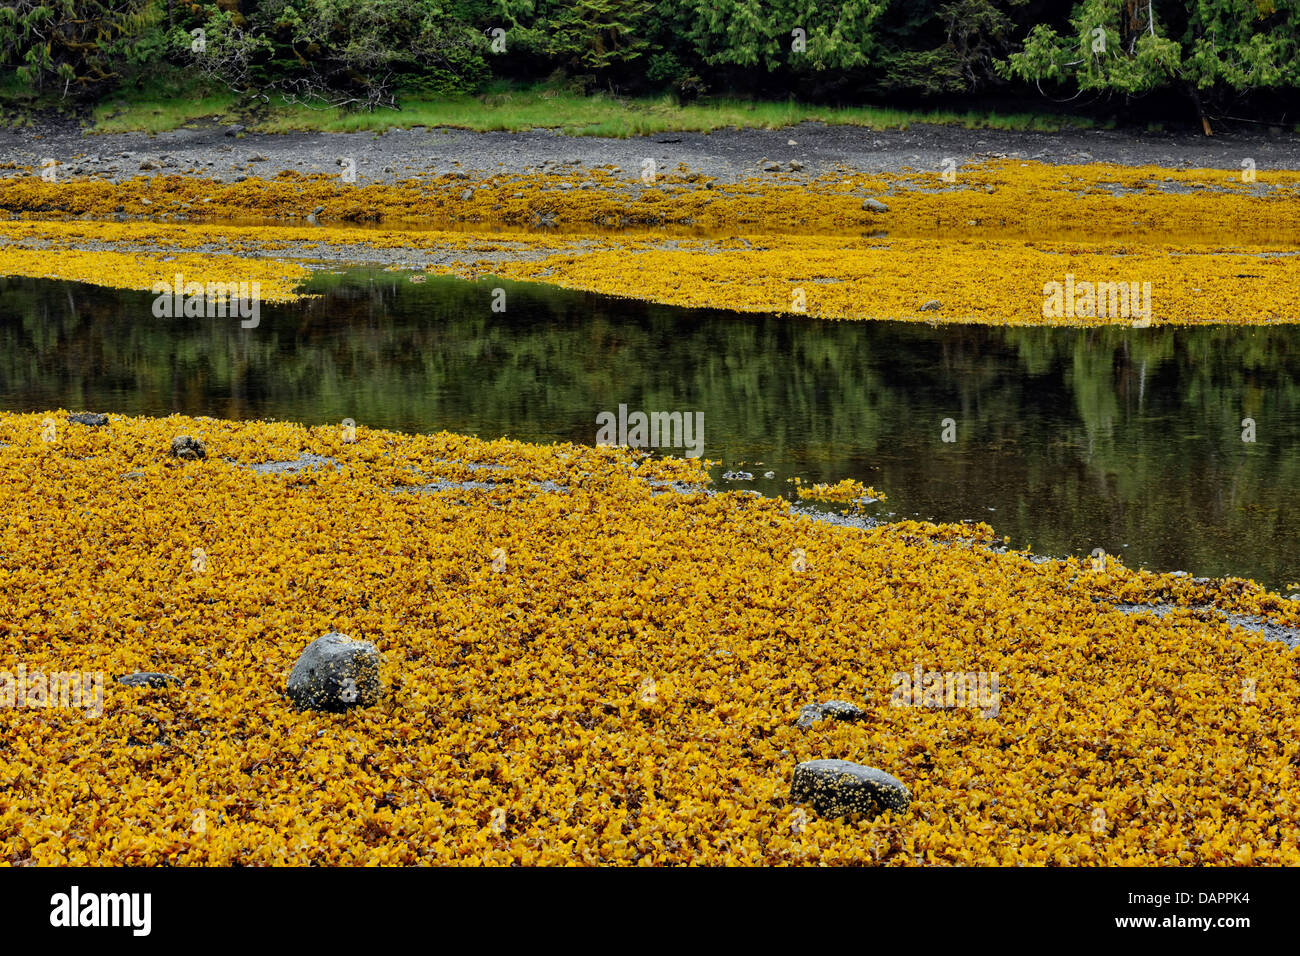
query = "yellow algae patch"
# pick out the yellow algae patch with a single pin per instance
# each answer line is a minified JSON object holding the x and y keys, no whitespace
{"x":845,"y":491}
{"x":988,"y":282}
{"x":998,"y":199}
{"x":1001,"y":243}
{"x":524,"y":610}
{"x":271,"y":281}
{"x":975,"y":281}
{"x":297,"y":241}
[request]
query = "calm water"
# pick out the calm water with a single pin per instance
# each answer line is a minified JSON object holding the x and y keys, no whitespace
{"x":1124,"y":439}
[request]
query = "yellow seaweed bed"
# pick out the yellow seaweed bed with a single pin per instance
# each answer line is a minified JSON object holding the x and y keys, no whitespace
{"x":1001,"y":242}
{"x":583,"y":666}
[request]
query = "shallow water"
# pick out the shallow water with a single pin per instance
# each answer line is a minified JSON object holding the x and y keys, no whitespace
{"x":1066,"y":440}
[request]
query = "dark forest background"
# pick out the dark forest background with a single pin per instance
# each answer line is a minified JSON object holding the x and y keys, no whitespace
{"x":1200,"y":61}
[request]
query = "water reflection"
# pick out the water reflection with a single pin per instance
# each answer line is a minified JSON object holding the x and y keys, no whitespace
{"x":1125,"y":439}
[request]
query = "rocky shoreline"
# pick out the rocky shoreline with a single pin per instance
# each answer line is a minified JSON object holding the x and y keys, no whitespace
{"x":231,"y":154}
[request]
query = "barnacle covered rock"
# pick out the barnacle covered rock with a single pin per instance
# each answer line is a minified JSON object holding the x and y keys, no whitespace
{"x":335,"y":672}
{"x":837,"y":787}
{"x":837,"y":709}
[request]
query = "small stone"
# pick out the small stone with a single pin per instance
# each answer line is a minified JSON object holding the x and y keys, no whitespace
{"x":737,"y":476}
{"x":318,"y":210}
{"x":795,"y":165}
{"x":874,"y":205}
{"x":146,"y":202}
{"x":933,"y":305}
{"x":771,"y":167}
{"x":148,"y":679}
{"x":335,"y":672}
{"x":311,"y":219}
{"x":836,"y":709}
{"x":256,"y":158}
{"x":93,"y":419}
{"x":467,"y":195}
{"x":187,"y":448}
{"x":837,"y":787}
{"x":234,"y":129}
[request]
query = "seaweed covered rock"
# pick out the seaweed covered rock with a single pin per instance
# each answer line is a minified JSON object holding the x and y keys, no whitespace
{"x":89,"y":419}
{"x":187,"y":448}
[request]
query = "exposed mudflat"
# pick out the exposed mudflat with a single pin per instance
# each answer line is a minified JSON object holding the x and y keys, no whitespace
{"x":726,"y":155}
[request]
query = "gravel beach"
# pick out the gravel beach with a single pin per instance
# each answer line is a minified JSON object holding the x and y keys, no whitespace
{"x":727,"y":155}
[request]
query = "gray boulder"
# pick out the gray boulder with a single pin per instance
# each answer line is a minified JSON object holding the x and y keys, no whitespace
{"x":836,"y":709}
{"x":874,"y":205}
{"x":837,"y":787}
{"x":335,"y":673}
{"x":187,"y":448}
